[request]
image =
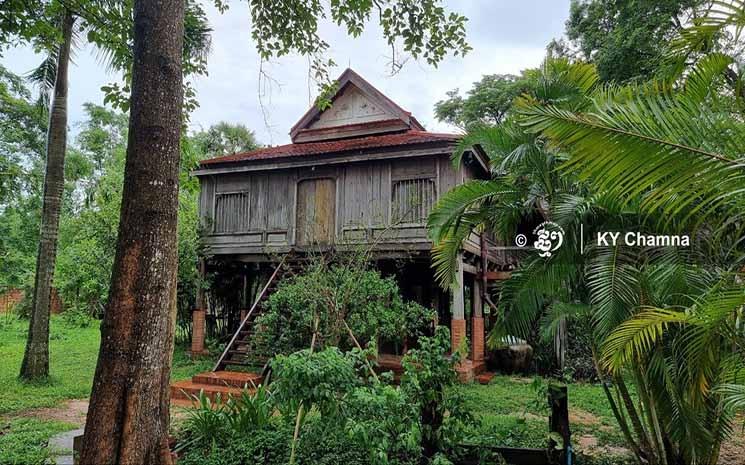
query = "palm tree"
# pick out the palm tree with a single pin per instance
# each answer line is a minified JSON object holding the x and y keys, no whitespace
{"x":36,"y":356}
{"x":585,"y":137}
{"x":51,"y":76}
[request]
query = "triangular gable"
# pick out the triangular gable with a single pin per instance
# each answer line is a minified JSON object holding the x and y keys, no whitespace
{"x":357,"y":109}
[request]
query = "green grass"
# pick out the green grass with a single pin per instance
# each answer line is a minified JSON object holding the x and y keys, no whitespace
{"x":514,"y":412}
{"x":23,"y":441}
{"x":72,"y":352}
{"x":72,"y":360}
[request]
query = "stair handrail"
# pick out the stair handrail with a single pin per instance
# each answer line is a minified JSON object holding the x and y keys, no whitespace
{"x":249,"y":313}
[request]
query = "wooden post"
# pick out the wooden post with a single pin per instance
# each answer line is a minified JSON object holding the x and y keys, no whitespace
{"x":458,"y":322}
{"x":198,"y":325}
{"x":558,"y":421}
{"x":477,"y":324}
{"x":244,"y":297}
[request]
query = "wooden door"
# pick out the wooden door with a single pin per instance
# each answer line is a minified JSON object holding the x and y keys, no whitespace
{"x":316,"y":211}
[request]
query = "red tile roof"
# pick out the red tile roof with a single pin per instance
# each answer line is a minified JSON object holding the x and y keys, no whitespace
{"x":409,"y":137}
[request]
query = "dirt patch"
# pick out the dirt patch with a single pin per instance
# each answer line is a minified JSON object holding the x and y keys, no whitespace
{"x":582,"y":417}
{"x":732,"y":449}
{"x":587,"y":442}
{"x":71,"y":411}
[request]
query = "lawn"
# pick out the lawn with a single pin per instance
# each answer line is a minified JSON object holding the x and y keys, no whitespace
{"x":513,"y":412}
{"x":73,"y":351}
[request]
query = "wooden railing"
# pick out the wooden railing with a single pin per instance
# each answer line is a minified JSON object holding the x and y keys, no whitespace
{"x":249,"y":314}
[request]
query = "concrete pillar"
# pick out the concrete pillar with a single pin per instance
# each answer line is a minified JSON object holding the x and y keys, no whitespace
{"x":458,"y":322}
{"x":477,"y":324}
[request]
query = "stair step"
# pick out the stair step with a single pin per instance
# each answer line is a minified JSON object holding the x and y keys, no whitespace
{"x":485,"y":377}
{"x":188,"y":389}
{"x":235,"y":379}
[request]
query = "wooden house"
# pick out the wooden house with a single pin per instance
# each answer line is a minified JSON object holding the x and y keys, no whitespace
{"x":362,"y":173}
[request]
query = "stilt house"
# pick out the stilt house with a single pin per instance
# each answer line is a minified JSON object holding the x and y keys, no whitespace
{"x":363,"y":172}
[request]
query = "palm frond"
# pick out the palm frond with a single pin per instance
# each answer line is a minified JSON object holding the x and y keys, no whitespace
{"x":613,"y":281}
{"x":559,"y":312}
{"x":637,"y":336}
{"x":658,"y":146}
{"x":43,"y":77}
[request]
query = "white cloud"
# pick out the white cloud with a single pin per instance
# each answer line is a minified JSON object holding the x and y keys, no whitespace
{"x":506,"y":37}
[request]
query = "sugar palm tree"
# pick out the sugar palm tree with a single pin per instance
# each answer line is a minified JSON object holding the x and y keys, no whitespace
{"x":51,"y":77}
{"x":35,"y":363}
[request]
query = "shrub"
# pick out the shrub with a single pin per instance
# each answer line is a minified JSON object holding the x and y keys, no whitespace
{"x":370,"y":304}
{"x":209,"y":422}
{"x":317,"y":379}
{"x":427,"y":381}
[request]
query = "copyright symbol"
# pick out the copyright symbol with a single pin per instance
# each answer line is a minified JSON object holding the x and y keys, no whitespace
{"x":521,"y":240}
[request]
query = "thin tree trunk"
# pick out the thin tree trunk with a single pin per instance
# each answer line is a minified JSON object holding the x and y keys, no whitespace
{"x":35,"y":363}
{"x":128,"y":418}
{"x":641,"y":433}
{"x":640,"y":455}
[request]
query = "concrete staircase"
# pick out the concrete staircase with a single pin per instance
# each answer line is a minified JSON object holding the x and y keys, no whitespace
{"x":212,"y":383}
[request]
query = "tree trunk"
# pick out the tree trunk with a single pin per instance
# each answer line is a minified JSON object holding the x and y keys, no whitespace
{"x":128,"y":418}
{"x":36,"y":357}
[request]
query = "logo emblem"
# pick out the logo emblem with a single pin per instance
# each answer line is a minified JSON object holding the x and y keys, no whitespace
{"x":550,"y":237}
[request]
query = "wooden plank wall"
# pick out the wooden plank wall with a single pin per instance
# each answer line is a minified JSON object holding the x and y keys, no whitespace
{"x":264,"y":204}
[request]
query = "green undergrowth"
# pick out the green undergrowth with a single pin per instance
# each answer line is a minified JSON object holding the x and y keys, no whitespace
{"x":23,"y":441}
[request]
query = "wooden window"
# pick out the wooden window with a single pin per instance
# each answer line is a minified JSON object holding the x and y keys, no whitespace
{"x":232,"y":212}
{"x":412,"y":200}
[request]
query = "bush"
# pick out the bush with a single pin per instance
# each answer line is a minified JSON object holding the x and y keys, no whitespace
{"x":317,"y":379}
{"x":370,"y":304}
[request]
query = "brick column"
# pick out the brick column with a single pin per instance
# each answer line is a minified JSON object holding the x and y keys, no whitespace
{"x":477,"y":323}
{"x":458,"y":322}
{"x":197,"y":332}
{"x":198,"y":325}
{"x":457,"y":333}
{"x":477,"y":336}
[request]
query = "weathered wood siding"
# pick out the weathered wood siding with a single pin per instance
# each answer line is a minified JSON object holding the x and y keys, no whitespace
{"x":384,"y":201}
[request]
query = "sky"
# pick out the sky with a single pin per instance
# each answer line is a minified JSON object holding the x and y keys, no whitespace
{"x":507,"y":36}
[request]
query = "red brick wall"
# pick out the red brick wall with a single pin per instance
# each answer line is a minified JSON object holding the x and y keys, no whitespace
{"x":13,"y":297}
{"x":9,"y":299}
{"x":198,"y":331}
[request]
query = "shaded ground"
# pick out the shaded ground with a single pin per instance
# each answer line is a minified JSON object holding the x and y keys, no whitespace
{"x":71,"y":411}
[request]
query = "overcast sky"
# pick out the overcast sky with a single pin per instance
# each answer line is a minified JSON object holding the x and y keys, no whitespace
{"x":507,"y":36}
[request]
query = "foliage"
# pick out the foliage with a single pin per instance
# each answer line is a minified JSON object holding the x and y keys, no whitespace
{"x":224,"y":138}
{"x":24,"y":440}
{"x":207,"y":422}
{"x":90,"y":217}
{"x":423,"y":29}
{"x":659,"y":157}
{"x":383,"y":422}
{"x":22,"y":142}
{"x":321,"y":442}
{"x":429,"y":372}
{"x":339,"y":292}
{"x":627,"y":40}
{"x":487,"y":102}
{"x":313,"y":379}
